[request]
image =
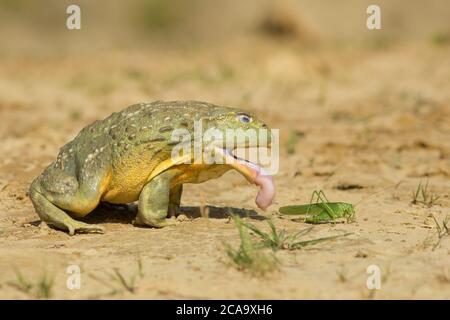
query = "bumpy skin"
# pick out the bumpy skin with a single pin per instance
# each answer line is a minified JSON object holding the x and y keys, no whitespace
{"x":111,"y":160}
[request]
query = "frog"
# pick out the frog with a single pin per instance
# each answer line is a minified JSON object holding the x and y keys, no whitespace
{"x":130,"y":157}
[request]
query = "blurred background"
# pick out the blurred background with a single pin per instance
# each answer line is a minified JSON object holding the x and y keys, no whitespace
{"x":141,"y":23}
{"x":358,"y":111}
{"x":178,"y":49}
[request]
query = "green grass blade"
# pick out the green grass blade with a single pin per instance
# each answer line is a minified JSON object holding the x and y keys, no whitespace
{"x":302,"y":244}
{"x":257,"y":231}
{"x":301,"y":233}
{"x":275,"y":239}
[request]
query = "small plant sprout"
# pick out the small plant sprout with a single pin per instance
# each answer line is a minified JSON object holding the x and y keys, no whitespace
{"x":21,"y":283}
{"x":293,"y":138}
{"x":422,"y":195}
{"x":42,"y":289}
{"x":249,"y":257}
{"x":443,"y":229}
{"x":320,"y":210}
{"x":282,"y":240}
{"x":128,"y":284}
{"x":118,"y":283}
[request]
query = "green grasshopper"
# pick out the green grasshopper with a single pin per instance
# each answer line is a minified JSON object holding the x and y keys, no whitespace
{"x":322,"y":210}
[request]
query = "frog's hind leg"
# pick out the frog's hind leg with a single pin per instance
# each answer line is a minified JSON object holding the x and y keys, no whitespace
{"x":57,"y":190}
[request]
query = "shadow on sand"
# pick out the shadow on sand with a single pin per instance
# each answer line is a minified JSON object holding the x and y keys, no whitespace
{"x":108,"y":213}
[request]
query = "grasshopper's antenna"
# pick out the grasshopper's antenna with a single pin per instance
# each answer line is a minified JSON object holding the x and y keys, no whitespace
{"x":395,"y":186}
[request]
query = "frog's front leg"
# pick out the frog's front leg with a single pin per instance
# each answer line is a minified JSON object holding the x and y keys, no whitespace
{"x":154,"y":201}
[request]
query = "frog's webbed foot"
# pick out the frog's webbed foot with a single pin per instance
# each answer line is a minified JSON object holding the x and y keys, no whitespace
{"x":81,"y":227}
{"x":73,"y":227}
{"x":155,"y":223}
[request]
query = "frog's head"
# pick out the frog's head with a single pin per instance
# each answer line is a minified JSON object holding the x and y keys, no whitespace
{"x":246,"y":131}
{"x":219,"y":126}
{"x":233,"y":128}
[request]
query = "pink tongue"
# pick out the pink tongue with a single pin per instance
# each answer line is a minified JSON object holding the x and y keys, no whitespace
{"x":266,"y":192}
{"x":256,"y":175}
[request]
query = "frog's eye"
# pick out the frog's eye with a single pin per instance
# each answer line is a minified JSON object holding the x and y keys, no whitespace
{"x":244,"y":118}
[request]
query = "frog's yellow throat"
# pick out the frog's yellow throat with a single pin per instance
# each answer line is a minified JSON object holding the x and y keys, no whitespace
{"x":245,"y":170}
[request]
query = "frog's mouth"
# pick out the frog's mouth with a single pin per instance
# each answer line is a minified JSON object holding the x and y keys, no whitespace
{"x":254,"y":174}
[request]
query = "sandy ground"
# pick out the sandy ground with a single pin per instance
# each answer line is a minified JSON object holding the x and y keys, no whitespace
{"x":369,"y":117}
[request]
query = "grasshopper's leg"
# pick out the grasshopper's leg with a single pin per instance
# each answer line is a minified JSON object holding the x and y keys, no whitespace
{"x":311,"y":201}
{"x":321,"y":196}
{"x":175,"y":200}
{"x":332,"y":213}
{"x":154,"y":201}
{"x":323,"y":201}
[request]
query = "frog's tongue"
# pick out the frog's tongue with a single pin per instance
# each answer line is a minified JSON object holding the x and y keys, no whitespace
{"x":255,"y":174}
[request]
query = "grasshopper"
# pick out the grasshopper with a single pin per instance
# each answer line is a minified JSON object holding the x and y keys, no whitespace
{"x":322,"y":210}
